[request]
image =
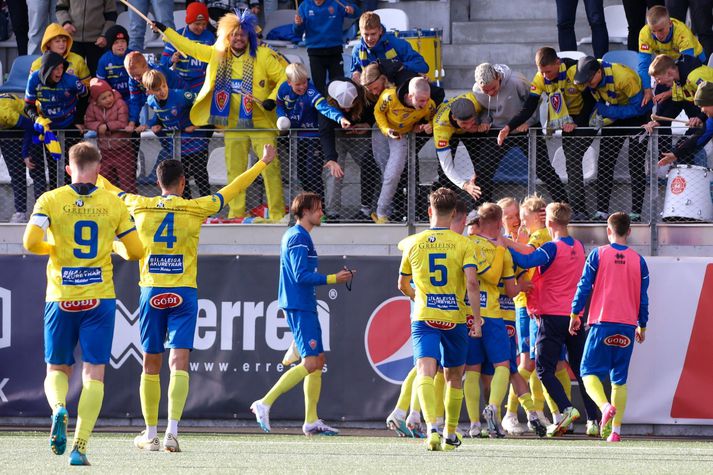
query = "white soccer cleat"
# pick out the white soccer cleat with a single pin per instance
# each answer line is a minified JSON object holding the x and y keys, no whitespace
{"x":262,"y":415}
{"x":318,"y":427}
{"x":475,"y":430}
{"x":149,"y":445}
{"x":170,"y":443}
{"x":413,"y":422}
{"x":490,"y":414}
{"x":291,"y":355}
{"x":511,"y":425}
{"x":543,"y":418}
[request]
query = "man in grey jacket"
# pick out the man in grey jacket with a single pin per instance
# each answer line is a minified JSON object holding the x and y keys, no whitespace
{"x":502,"y":94}
{"x":87,"y":21}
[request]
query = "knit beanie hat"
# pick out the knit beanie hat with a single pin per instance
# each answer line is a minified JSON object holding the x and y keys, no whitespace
{"x":704,"y":94}
{"x":196,"y":11}
{"x":115,"y":32}
{"x":97,"y":87}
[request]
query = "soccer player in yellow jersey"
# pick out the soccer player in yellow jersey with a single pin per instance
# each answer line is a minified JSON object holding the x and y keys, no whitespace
{"x":443,"y":267}
{"x":81,"y":223}
{"x":170,"y":226}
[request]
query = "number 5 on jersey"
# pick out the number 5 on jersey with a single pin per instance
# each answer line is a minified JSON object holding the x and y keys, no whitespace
{"x":439,"y":272}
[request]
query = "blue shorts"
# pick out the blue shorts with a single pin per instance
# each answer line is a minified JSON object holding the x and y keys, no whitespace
{"x":492,"y":346}
{"x":167,"y":318}
{"x":608,"y":351}
{"x":488,"y":367}
{"x":306,"y":331}
{"x":449,"y":347}
{"x":534,"y":330}
{"x":523,"y":330}
{"x":89,"y":322}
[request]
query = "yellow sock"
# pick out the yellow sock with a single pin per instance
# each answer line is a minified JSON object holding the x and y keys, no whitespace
{"x":427,"y":396}
{"x":618,"y":400}
{"x":406,"y":389}
{"x":454,"y":401}
{"x":415,"y":402}
{"x":286,"y":382}
{"x":526,"y":402}
{"x":150,"y":395}
{"x":312,"y":388}
{"x":177,"y":394}
{"x":471,"y":390}
{"x":512,"y":400}
{"x":499,"y":385}
{"x":56,"y":388}
{"x":90,"y":403}
{"x":595,"y":389}
{"x":439,"y":384}
{"x":554,"y":409}
{"x":536,"y":389}
{"x":566,"y":381}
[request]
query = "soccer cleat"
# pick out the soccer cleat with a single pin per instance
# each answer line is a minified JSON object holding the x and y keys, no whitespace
{"x":398,"y":425}
{"x":474,"y":431}
{"x":607,"y":417}
{"x":58,"y":433}
{"x":78,"y":458}
{"x":536,"y":426}
{"x":170,"y":443}
{"x":543,"y":418}
{"x":262,"y":415}
{"x":291,"y":355}
{"x":433,"y":443}
{"x":143,"y":443}
{"x":451,"y":444}
{"x":511,"y":425}
{"x":413,"y":422}
{"x":569,"y":415}
{"x":490,"y":413}
{"x":614,"y":437}
{"x":592,"y":429}
{"x":318,"y":427}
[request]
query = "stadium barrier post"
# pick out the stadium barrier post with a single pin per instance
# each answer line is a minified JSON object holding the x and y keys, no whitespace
{"x":653,"y":193}
{"x":411,"y":184}
{"x":531,"y":158}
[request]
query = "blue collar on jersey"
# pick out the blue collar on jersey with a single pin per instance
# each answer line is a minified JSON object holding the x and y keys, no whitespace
{"x":619,"y":247}
{"x":438,"y":229}
{"x":668,"y":38}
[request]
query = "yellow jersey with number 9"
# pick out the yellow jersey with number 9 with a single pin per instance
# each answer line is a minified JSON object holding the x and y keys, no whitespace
{"x":81,"y":229}
{"x":436,"y":259}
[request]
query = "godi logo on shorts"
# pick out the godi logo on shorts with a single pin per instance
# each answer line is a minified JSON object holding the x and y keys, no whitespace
{"x":167,"y":300}
{"x":622,"y":341}
{"x":387,"y":340}
{"x":79,"y":305}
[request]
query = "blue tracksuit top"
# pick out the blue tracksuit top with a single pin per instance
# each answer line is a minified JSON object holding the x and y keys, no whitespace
{"x":59,"y":102}
{"x":322,"y":25}
{"x":111,"y":69}
{"x":298,"y":271}
{"x":388,"y":47}
{"x":191,"y":70}
{"x":302,"y":110}
{"x":137,"y":92}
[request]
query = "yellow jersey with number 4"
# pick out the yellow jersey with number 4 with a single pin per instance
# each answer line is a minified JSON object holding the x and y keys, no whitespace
{"x":80,"y":228}
{"x":436,"y":259}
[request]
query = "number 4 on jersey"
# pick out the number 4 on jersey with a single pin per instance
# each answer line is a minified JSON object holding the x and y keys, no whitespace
{"x":164,"y":233}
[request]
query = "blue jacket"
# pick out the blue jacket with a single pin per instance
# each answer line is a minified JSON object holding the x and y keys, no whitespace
{"x":322,"y":24}
{"x":298,"y":271}
{"x":191,"y":70}
{"x":59,"y":102}
{"x":111,"y":69}
{"x":302,"y":110}
{"x":174,"y":114}
{"x":137,"y":92}
{"x":388,"y":47}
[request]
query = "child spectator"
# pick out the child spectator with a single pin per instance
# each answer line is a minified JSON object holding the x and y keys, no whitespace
{"x":298,"y":101}
{"x":108,"y":116}
{"x":57,"y":40}
{"x":191,"y":70}
{"x":172,"y":108}
{"x":321,"y":22}
{"x":111,"y":64}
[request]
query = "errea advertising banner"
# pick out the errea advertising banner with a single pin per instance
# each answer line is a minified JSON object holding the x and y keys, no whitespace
{"x":241,"y":337}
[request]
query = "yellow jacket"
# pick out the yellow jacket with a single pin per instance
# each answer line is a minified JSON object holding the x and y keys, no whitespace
{"x":77,"y":65}
{"x":390,"y":113}
{"x":268,"y":72}
{"x":11,"y":108}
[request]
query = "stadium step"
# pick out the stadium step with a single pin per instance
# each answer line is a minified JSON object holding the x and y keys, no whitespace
{"x":499,"y":31}
{"x":521,"y":10}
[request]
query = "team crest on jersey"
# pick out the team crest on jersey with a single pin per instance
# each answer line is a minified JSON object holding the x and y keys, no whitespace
{"x":166,"y":300}
{"x":160,"y":204}
{"x":533,"y":87}
{"x":174,"y":111}
{"x":313,"y":344}
{"x":511,"y":330}
{"x":431,"y":238}
{"x":331,"y":10}
{"x":79,"y":202}
{"x":556,"y":101}
{"x":221,"y":100}
{"x":619,"y":340}
{"x":644,"y":47}
{"x":79,"y":305}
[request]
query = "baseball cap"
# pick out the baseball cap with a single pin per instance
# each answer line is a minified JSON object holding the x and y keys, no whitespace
{"x":462,"y":109}
{"x":344,"y":92}
{"x":587,"y":67}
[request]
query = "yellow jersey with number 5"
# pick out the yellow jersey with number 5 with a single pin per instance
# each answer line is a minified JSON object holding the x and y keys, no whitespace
{"x":436,"y":259}
{"x":81,"y":229}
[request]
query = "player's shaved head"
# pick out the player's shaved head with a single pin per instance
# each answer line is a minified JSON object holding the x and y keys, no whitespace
{"x":305,"y":201}
{"x":443,"y":201}
{"x":560,"y":213}
{"x":490,"y":213}
{"x":419,"y":85}
{"x":169,"y":173}
{"x":619,"y":223}
{"x":546,"y":56}
{"x":84,"y":155}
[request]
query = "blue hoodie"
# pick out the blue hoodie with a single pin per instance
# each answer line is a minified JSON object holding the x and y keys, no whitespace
{"x":191,"y":70}
{"x":323,"y":24}
{"x":388,"y":47}
{"x":302,"y":110}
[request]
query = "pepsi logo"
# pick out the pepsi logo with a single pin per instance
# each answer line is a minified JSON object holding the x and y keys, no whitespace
{"x":511,"y":330}
{"x":387,"y":339}
{"x":79,"y":305}
{"x":166,"y":300}
{"x":622,"y":341}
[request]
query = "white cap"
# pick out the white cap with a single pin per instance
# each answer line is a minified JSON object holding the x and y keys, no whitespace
{"x":283,"y":123}
{"x":344,"y":92}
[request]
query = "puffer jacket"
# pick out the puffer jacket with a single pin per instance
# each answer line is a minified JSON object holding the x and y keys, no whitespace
{"x":116,"y":119}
